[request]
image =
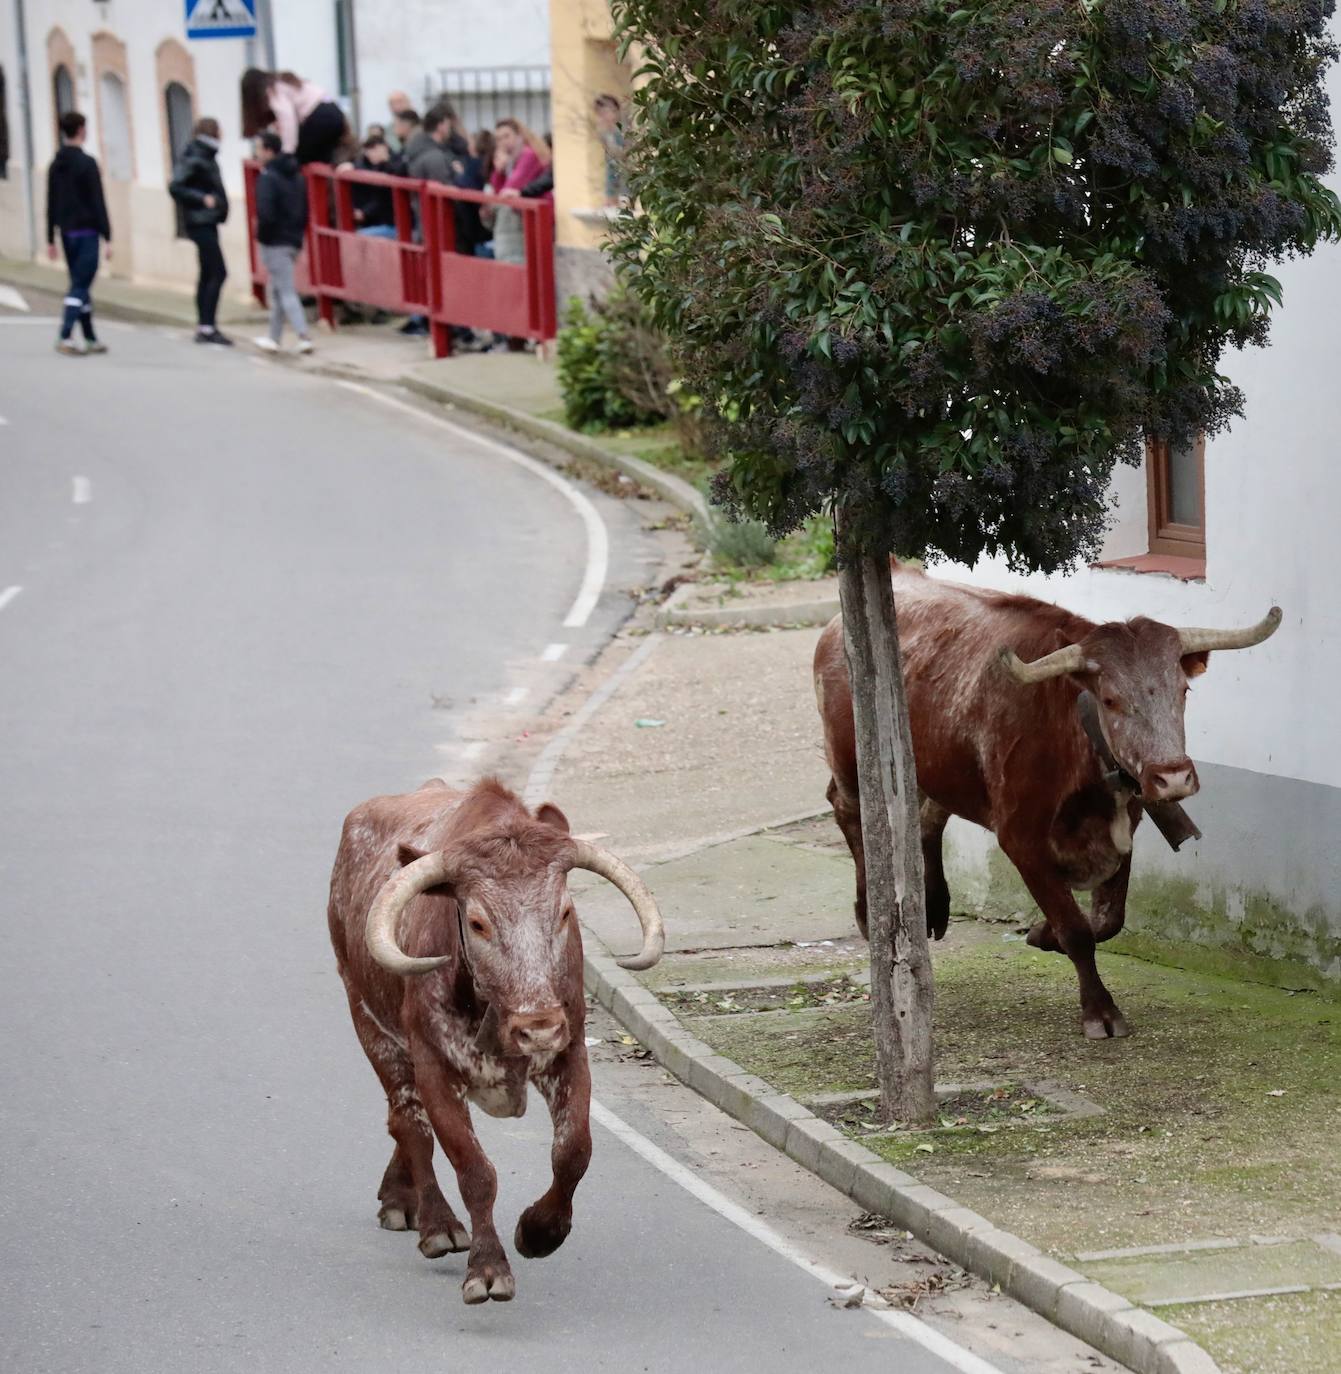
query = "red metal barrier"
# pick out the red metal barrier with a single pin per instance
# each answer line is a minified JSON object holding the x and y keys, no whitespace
{"x":481,"y":293}
{"x":418,"y":273}
{"x":391,"y":274}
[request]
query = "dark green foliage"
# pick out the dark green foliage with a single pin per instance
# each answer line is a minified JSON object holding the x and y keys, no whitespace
{"x":946,"y":262}
{"x":613,"y":369}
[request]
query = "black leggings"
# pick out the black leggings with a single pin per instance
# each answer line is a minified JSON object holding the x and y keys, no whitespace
{"x":321,"y":133}
{"x":213,"y":272}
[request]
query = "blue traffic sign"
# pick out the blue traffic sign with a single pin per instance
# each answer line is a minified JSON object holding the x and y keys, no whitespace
{"x":221,"y":18}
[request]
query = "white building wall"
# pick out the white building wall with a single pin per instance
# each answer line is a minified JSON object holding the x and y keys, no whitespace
{"x":402,"y":44}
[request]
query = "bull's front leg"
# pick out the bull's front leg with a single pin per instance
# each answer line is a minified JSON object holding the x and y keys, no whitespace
{"x":566,"y":1087}
{"x":1070,"y":929}
{"x":1108,"y":905}
{"x":488,"y":1274}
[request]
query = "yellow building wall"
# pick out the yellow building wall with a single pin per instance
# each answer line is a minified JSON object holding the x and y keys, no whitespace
{"x":585,"y":65}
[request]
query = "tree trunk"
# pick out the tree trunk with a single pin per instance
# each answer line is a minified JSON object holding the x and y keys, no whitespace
{"x":901,"y":980}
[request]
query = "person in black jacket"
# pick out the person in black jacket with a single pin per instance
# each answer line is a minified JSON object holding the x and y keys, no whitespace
{"x":197,"y":186}
{"x":281,"y":227}
{"x":76,"y":207}
{"x":374,"y":206}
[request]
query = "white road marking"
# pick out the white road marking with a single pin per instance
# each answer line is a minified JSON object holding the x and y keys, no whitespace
{"x":902,"y":1322}
{"x":8,"y":595}
{"x":83,"y":491}
{"x":516,"y":696}
{"x":598,"y":538}
{"x":553,"y":653}
{"x":3,"y":421}
{"x":31,"y":319}
{"x":12,"y":299}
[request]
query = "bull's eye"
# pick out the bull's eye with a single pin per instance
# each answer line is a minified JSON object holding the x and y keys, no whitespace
{"x":1111,"y":703}
{"x":480,"y":927}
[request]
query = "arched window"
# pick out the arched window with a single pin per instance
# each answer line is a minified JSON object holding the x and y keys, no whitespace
{"x":62,"y":90}
{"x":180,"y":117}
{"x":115,"y":127}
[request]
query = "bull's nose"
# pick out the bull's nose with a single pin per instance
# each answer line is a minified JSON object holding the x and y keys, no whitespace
{"x":539,"y":1032}
{"x":1171,"y":782}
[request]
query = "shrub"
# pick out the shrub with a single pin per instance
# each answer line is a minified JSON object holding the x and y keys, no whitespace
{"x":613,"y":370}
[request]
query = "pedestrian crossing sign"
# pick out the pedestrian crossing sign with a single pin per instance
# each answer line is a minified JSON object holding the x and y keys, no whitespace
{"x":221,"y":18}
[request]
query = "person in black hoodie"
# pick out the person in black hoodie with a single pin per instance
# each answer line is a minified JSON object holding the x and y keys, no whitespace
{"x":281,"y":226}
{"x":197,"y":186}
{"x":76,"y":207}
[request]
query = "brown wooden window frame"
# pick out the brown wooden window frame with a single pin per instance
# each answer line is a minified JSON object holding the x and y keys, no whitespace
{"x":1167,"y":537}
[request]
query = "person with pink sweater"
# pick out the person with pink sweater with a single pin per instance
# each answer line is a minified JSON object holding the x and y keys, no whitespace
{"x":519,"y":158}
{"x":310,"y":125}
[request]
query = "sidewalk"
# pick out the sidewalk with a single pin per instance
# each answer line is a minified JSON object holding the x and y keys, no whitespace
{"x":1192,"y":1169}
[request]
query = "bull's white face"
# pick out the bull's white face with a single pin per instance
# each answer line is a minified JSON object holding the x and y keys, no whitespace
{"x":1140,"y":677}
{"x":517,"y":935}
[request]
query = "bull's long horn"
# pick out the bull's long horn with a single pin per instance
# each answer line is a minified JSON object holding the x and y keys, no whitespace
{"x":1070,"y":659}
{"x":401,"y":888}
{"x":1199,"y":641}
{"x":597,"y":860}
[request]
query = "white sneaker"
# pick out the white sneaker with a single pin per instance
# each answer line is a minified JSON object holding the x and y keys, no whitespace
{"x":266,"y":345}
{"x":305,"y":346}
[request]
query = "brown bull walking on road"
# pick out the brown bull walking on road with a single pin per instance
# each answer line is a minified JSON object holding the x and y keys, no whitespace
{"x":997,"y":689}
{"x":460,"y":952}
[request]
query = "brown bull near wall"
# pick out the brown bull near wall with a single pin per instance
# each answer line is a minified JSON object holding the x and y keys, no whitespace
{"x":994,"y":684}
{"x":461,"y":955}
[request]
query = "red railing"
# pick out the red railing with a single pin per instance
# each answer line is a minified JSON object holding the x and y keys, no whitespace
{"x":418,"y":273}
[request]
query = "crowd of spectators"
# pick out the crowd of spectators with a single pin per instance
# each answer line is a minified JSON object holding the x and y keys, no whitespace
{"x":508,"y":160}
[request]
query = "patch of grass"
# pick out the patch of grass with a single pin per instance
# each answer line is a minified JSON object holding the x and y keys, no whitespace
{"x":1221,"y":1111}
{"x":831,"y":992}
{"x":1295,"y":1333}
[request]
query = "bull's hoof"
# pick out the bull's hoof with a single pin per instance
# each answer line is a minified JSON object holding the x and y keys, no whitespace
{"x":444,"y":1242}
{"x":540,"y":1233}
{"x":490,"y":1283}
{"x":393,"y":1219}
{"x":1108,"y":1025}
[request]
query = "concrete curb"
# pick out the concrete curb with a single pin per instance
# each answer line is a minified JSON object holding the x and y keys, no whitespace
{"x":1104,"y":1319}
{"x":676,"y":611}
{"x":666,"y":485}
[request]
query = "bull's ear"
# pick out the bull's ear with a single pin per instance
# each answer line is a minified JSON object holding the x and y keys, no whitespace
{"x":549,"y":814}
{"x":407,"y":854}
{"x":1196,"y":664}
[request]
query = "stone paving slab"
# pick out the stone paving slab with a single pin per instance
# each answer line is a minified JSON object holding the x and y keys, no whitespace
{"x":754,"y":891}
{"x":1205,"y":1274}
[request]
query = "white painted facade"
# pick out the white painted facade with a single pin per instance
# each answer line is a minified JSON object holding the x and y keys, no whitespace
{"x":402,"y":45}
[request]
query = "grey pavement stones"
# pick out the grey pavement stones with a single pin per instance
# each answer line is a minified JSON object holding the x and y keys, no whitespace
{"x":1093,"y":1313}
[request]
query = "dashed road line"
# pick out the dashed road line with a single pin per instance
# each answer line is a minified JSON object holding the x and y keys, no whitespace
{"x":8,"y":595}
{"x":553,"y":653}
{"x":82,"y":491}
{"x":516,"y":696}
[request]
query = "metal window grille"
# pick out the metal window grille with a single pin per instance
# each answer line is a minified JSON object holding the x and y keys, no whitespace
{"x":482,"y":96}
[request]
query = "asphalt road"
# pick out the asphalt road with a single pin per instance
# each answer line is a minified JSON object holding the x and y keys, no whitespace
{"x":247,"y":600}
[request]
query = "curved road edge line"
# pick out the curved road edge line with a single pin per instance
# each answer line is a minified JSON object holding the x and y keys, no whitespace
{"x":598,"y":537}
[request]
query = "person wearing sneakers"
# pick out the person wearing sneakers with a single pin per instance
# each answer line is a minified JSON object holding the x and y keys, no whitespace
{"x":281,"y":224}
{"x":76,"y":207}
{"x":197,"y":186}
